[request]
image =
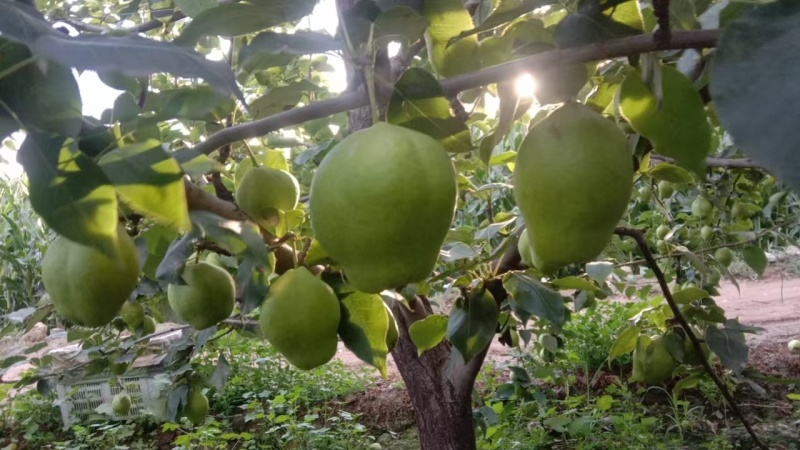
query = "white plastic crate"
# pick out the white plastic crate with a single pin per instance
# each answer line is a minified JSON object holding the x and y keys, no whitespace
{"x":79,"y":400}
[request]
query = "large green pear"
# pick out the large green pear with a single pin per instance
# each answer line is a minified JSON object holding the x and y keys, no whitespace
{"x":207,"y":297}
{"x":652,"y":361}
{"x":196,"y":408}
{"x":86,"y":286}
{"x":300,"y":318}
{"x":572,"y":183}
{"x":381,"y":204}
{"x":265,"y":191}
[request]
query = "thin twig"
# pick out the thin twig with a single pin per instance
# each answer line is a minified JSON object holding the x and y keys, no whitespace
{"x":661,"y":11}
{"x":546,"y":60}
{"x":641,"y":241}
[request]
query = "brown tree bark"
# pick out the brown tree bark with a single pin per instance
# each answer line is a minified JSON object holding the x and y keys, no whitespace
{"x":440,"y":391}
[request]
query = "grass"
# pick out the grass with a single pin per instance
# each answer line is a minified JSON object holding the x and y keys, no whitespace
{"x":522,"y":404}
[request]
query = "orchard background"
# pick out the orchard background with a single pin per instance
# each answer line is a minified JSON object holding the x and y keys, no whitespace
{"x":673,"y":336}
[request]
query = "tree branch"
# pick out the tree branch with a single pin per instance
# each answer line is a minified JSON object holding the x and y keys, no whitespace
{"x":547,"y":60}
{"x":198,"y":199}
{"x":731,"y":163}
{"x":641,"y":241}
{"x":141,"y":28}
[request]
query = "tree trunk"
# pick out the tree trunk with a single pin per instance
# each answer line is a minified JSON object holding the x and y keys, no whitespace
{"x":440,"y":392}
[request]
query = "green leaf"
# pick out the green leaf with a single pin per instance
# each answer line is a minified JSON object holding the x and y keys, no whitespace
{"x":191,"y":103}
{"x":22,"y":22}
{"x":400,"y":22}
{"x":46,"y":100}
{"x":235,"y":19}
{"x":418,"y":103}
{"x":150,"y":182}
{"x":446,"y":19}
{"x":428,"y":332}
{"x":729,"y":345}
{"x":535,"y":298}
{"x":671,"y":173}
{"x":689,"y":382}
{"x":472,"y":323}
{"x":572,"y":282}
{"x":751,"y":80}
{"x":591,"y":24}
{"x":688,"y":295}
{"x":70,"y":192}
{"x":193,"y":8}
{"x":269,"y":49}
{"x":364,"y":328}
{"x":135,"y":56}
{"x":281,"y":98}
{"x":194,"y":163}
{"x":221,"y":373}
{"x":677,"y":125}
{"x":10,"y":361}
{"x":756,"y":259}
{"x":625,"y":343}
{"x":505,"y":11}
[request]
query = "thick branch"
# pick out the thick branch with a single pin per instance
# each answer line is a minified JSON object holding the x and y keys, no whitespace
{"x":731,"y":163}
{"x":547,"y":60}
{"x":641,"y":241}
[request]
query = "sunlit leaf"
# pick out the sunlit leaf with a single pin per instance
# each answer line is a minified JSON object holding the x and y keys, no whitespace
{"x":364,"y":328}
{"x":70,"y":192}
{"x":625,"y":343}
{"x":677,"y":125}
{"x":150,"y":181}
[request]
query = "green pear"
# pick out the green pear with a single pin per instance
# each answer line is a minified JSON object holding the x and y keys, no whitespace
{"x":196,"y":408}
{"x":265,"y":191}
{"x":206,"y":299}
{"x":572,"y":183}
{"x":121,"y":404}
{"x":300,"y":318}
{"x":381,"y":205}
{"x":86,"y":286}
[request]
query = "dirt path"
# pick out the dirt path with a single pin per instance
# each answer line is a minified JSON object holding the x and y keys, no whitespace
{"x":772,"y":303}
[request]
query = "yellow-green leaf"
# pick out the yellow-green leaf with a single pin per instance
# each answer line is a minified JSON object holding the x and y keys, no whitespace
{"x":677,"y":125}
{"x":150,"y":181}
{"x":428,"y":332}
{"x":446,"y":20}
{"x":364,"y":328}
{"x":69,"y":192}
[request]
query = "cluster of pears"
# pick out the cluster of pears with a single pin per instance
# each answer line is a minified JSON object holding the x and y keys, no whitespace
{"x":572,"y":183}
{"x":87,"y":286}
{"x":381,"y":204}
